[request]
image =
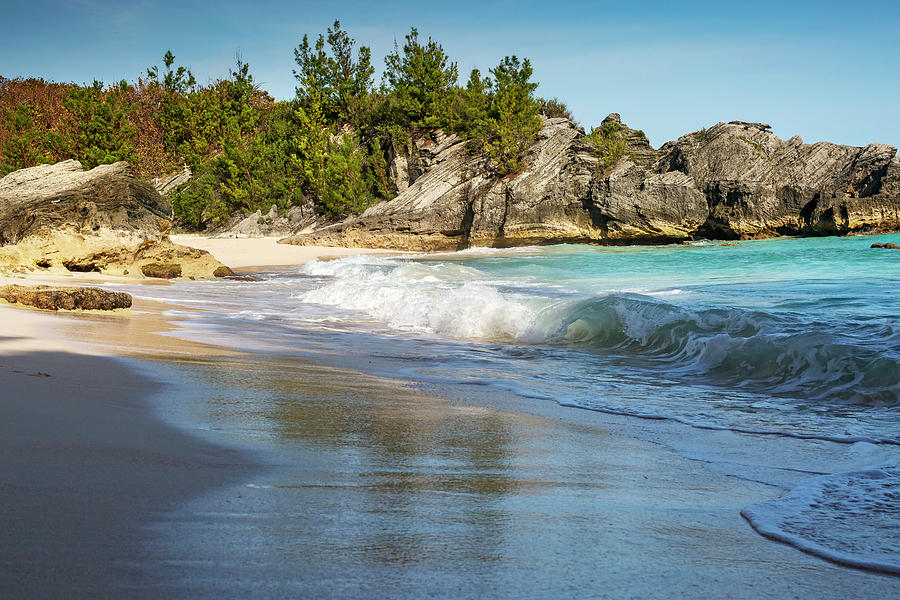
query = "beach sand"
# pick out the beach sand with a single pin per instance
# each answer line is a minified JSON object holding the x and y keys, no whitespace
{"x":241,"y":254}
{"x":189,"y":471}
{"x":83,"y":464}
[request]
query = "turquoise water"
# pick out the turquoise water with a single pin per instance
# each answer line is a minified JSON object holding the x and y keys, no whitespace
{"x":792,"y":339}
{"x":766,"y":335}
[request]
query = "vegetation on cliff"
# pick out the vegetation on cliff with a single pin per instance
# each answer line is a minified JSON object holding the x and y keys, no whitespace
{"x":330,"y":146}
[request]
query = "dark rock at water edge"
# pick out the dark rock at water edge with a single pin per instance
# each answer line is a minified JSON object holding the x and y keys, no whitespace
{"x":887,"y":246}
{"x":65,"y":298}
{"x":161,"y":270}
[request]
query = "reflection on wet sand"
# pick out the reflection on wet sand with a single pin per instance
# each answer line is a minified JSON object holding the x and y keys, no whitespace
{"x":370,"y":489}
{"x":404,"y":458}
{"x":376,"y":490}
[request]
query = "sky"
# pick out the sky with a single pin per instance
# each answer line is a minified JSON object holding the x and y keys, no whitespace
{"x":825,"y":70}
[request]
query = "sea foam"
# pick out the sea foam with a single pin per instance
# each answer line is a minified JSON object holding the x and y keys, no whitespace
{"x":849,"y":518}
{"x":748,"y":349}
{"x":417,"y":298}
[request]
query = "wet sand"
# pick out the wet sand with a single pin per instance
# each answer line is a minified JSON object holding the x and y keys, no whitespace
{"x":83,"y":465}
{"x":288,"y":478}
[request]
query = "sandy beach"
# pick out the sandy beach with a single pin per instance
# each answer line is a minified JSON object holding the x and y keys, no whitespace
{"x":187,"y":470}
{"x":84,"y":463}
{"x":242,"y":254}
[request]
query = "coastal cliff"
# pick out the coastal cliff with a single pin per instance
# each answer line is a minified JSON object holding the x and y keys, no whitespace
{"x":59,"y":218}
{"x":735,"y":180}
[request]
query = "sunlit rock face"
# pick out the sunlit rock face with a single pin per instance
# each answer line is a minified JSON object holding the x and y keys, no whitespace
{"x":734,"y":180}
{"x":60,"y":218}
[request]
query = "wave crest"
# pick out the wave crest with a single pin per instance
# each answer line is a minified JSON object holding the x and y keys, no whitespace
{"x":736,"y":347}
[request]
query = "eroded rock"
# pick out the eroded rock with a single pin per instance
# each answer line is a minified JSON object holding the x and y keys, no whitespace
{"x":65,"y":298}
{"x":734,"y":181}
{"x":60,"y":219}
{"x":161,"y":270}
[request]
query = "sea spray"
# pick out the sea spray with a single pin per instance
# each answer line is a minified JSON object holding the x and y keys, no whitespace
{"x":414,"y":298}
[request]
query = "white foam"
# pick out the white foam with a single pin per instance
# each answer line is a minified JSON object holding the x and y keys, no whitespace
{"x":422,"y":298}
{"x":849,"y":518}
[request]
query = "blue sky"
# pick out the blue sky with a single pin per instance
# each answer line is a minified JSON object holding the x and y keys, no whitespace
{"x":824,"y":70}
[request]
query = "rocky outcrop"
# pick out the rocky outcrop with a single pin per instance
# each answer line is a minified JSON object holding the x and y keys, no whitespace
{"x":734,"y":181}
{"x":271,"y":224}
{"x":455,"y":204}
{"x":758,"y":185}
{"x":43,"y":200}
{"x":59,"y":218}
{"x":64,"y":298}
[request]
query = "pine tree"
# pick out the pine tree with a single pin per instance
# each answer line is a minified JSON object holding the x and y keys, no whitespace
{"x":422,"y":80}
{"x":513,"y":122}
{"x":339,"y":82}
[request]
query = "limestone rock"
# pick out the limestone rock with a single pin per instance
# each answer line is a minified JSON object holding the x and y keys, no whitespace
{"x":758,"y":185}
{"x":454,"y":204}
{"x":167,"y":184}
{"x":65,"y":298}
{"x":58,"y":218}
{"x":161,"y":270}
{"x":272,"y":223}
{"x":43,"y":200}
{"x":735,"y":180}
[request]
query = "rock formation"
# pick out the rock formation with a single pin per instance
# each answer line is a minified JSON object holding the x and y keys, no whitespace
{"x":759,"y":185}
{"x":167,"y":184}
{"x":734,"y":181}
{"x":64,"y":298}
{"x":59,"y":218}
{"x":271,"y":224}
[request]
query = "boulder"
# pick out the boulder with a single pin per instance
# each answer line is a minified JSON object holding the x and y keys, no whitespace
{"x":887,"y":246}
{"x":42,"y":200}
{"x":161,"y":270}
{"x":65,"y":298}
{"x":59,"y":218}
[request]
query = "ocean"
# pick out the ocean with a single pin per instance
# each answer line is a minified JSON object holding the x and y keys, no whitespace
{"x":773,"y":361}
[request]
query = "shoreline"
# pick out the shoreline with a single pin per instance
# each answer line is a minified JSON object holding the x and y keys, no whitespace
{"x":86,"y":464}
{"x":536,"y":471}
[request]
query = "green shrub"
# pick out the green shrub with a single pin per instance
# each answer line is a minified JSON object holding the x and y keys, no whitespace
{"x":555,"y":108}
{"x":610,"y":143}
{"x":99,"y":129}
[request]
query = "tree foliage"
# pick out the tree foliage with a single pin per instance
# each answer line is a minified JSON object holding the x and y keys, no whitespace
{"x":330,"y":75}
{"x":100,"y":131}
{"x":512,"y":120}
{"x":330,"y":148}
{"x":422,"y":82}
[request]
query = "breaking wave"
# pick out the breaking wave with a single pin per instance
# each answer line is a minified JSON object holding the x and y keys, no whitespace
{"x":781,"y":354}
{"x":857,"y":362}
